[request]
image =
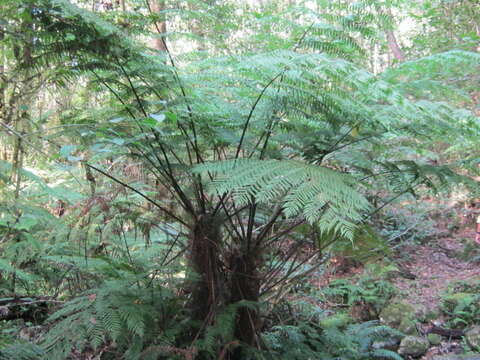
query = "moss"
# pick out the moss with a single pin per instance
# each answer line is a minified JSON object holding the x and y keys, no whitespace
{"x":472,"y":337}
{"x":420,"y":312}
{"x":408,"y":327}
{"x":434,"y":339}
{"x":393,"y":314}
{"x":414,"y":346}
{"x":432,"y":315}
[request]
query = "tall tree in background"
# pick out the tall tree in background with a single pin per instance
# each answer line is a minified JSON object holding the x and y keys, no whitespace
{"x":157,"y":9}
{"x":392,"y":40}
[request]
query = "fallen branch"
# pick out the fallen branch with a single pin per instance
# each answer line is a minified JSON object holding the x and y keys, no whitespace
{"x":24,"y":307}
{"x":450,"y":333}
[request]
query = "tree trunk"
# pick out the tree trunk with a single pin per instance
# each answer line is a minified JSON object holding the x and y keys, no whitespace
{"x":394,"y":47}
{"x":245,"y":286}
{"x":3,"y":82}
{"x":212,"y":290}
{"x":392,"y":41}
{"x":160,"y":27}
{"x":207,"y":290}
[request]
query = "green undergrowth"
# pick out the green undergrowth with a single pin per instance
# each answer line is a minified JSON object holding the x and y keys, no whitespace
{"x":303,"y":329}
{"x":461,"y":303}
{"x":470,"y":252}
{"x":135,"y":315}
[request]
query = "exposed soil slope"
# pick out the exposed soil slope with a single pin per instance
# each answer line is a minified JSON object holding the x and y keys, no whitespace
{"x":435,"y":267}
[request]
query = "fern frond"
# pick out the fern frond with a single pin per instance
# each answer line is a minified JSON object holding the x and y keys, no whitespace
{"x":22,"y":351}
{"x":317,"y":193}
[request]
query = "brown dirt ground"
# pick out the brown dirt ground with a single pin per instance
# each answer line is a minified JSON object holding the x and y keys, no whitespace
{"x":435,"y":267}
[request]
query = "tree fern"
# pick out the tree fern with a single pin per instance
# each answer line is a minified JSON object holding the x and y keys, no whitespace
{"x":317,"y":193}
{"x":293,"y":127}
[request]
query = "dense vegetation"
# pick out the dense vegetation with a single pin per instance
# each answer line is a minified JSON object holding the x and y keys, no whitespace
{"x":176,"y":175}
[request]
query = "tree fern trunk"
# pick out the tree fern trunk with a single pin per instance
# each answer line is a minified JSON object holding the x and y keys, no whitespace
{"x":205,"y":261}
{"x":245,"y":286}
{"x":211,"y":290}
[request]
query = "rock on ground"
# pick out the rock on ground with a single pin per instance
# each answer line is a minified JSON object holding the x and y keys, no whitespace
{"x":473,"y":337}
{"x":413,"y":346}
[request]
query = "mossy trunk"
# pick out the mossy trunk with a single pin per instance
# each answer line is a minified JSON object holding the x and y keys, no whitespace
{"x":207,"y":290}
{"x":216,"y":287}
{"x":245,"y":286}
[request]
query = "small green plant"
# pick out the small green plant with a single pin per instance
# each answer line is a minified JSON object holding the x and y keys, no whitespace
{"x":470,"y":252}
{"x":410,"y":223}
{"x":371,"y":292}
{"x":367,"y":246}
{"x":307,"y":340}
{"x":131,"y":310}
{"x":7,"y":333}
{"x":470,"y":286}
{"x":461,"y":304}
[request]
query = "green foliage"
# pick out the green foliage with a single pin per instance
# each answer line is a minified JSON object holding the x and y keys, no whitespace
{"x":23,"y":351}
{"x":321,"y":194}
{"x":275,"y":129}
{"x":367,"y":290}
{"x":461,"y":308}
{"x":23,"y":226}
{"x":306,"y":340}
{"x":133,"y":311}
{"x":470,"y":252}
{"x":366,"y":246}
{"x":461,"y":304}
{"x":446,"y":25}
{"x":411,"y":223}
{"x":222,"y":332}
{"x":472,"y":286}
{"x":7,"y":333}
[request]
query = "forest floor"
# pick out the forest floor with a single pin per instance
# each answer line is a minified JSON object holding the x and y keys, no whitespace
{"x":432,"y":266}
{"x":435,"y":265}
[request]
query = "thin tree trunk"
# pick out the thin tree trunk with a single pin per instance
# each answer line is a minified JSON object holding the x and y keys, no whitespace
{"x":18,"y":166}
{"x":159,"y":42}
{"x":392,"y":41}
{"x":477,"y":30}
{"x":394,"y":47}
{"x":17,"y":144}
{"x":3,"y":85}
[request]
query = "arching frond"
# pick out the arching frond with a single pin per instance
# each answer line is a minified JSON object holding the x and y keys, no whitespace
{"x":317,"y":193}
